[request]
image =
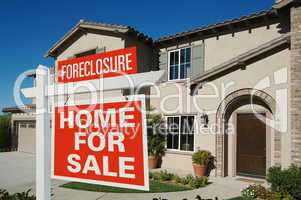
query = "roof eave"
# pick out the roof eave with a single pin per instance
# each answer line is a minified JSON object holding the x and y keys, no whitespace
{"x":80,"y":26}
{"x":203,"y":31}
{"x":284,"y":3}
{"x":243,"y":58}
{"x":29,"y":107}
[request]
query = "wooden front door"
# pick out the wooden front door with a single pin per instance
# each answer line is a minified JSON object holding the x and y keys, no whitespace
{"x":251,"y":145}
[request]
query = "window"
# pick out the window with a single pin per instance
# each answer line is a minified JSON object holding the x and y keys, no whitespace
{"x":31,"y":125}
{"x":179,"y":63}
{"x":23,"y":125}
{"x":180,"y":133}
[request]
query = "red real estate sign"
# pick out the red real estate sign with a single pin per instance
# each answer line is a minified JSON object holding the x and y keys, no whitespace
{"x":102,"y":65}
{"x":102,"y":143}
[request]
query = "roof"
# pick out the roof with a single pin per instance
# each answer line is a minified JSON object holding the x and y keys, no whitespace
{"x":261,"y":18}
{"x":284,"y":3}
{"x":16,"y":109}
{"x":84,"y":26}
{"x":244,"y":59}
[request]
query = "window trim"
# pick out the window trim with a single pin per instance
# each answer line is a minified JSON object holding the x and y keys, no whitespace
{"x":180,"y":124}
{"x":168,"y":64}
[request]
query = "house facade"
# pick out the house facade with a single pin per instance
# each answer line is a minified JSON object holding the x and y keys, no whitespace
{"x":231,"y":88}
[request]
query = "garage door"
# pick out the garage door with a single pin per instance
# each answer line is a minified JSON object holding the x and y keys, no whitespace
{"x":26,"y":137}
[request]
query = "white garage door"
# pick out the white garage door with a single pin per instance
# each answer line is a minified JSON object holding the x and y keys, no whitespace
{"x":26,"y":135}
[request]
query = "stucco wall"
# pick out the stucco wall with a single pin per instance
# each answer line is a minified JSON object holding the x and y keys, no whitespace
{"x":266,"y":71}
{"x":225,"y":47}
{"x":90,"y":41}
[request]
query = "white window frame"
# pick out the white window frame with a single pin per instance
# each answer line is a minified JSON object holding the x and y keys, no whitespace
{"x":179,"y":142}
{"x":179,"y":58}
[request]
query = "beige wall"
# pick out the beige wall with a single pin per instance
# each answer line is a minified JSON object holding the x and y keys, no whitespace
{"x":91,"y":41}
{"x":146,"y":59}
{"x":227,"y":46}
{"x":218,"y":51}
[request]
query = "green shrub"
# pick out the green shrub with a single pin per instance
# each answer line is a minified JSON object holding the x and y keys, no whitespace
{"x":4,"y":195}
{"x":177,"y":179}
{"x":286,"y":182}
{"x":187,"y":179}
{"x":249,"y":193}
{"x":151,"y":175}
{"x":155,"y":140}
{"x":259,"y":192}
{"x":154,"y":176}
{"x":202,"y":157}
{"x":166,"y":176}
{"x":198,"y":182}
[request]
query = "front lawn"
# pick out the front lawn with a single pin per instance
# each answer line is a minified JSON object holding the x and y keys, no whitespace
{"x":155,"y":187}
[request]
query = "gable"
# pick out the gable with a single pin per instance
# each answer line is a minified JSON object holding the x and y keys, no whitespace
{"x":91,"y":41}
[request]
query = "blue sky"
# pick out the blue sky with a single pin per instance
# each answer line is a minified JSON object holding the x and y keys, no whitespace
{"x":30,"y":27}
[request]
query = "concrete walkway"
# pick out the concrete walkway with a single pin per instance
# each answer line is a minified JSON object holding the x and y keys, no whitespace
{"x":17,"y":173}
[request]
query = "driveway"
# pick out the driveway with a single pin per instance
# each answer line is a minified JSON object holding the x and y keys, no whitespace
{"x":17,"y":173}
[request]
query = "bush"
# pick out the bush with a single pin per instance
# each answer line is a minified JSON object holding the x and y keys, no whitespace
{"x":249,"y":193}
{"x":166,"y":176}
{"x":286,"y":182}
{"x":177,"y":179}
{"x":202,"y":157}
{"x":4,"y":195}
{"x":259,"y":192}
{"x":198,"y":182}
{"x":154,"y":176}
{"x":155,"y":140}
{"x":4,"y":131}
{"x":187,"y":179}
{"x":161,"y":176}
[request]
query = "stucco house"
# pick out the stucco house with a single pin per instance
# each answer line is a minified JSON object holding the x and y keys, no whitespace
{"x":233,"y":88}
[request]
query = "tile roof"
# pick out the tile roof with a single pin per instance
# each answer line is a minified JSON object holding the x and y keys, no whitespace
{"x":271,"y":12}
{"x":82,"y":24}
{"x":16,"y":109}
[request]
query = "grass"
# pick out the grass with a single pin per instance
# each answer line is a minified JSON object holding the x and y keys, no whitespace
{"x":155,"y":187}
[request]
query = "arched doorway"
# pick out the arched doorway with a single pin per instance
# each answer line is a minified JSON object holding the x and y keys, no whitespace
{"x":226,"y":108}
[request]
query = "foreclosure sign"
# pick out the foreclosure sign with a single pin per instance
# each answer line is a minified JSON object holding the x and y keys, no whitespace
{"x":102,"y":144}
{"x":102,"y":65}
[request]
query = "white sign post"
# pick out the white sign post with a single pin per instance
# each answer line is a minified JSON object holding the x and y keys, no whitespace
{"x":43,"y":137}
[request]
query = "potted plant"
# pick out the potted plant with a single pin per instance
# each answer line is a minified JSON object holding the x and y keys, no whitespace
{"x":156,"y":140}
{"x":156,"y":149}
{"x":201,"y":159}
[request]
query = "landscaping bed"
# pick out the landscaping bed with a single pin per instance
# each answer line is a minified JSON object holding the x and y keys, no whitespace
{"x":162,"y":181}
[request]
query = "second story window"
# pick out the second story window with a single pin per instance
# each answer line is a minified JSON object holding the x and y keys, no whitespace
{"x":179,"y":64}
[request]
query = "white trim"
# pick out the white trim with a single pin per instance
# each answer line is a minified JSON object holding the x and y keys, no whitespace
{"x":146,"y":79}
{"x":144,"y":141}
